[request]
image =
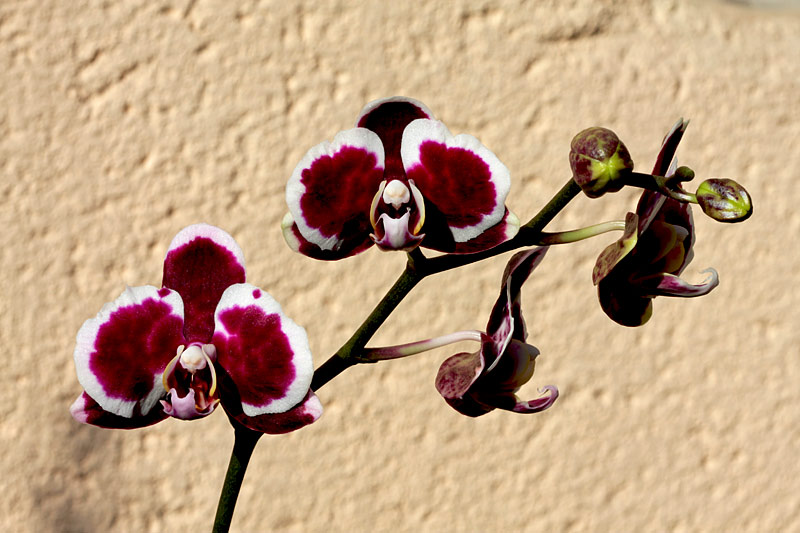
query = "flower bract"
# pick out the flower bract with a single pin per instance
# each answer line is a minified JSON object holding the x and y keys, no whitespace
{"x":477,"y":383}
{"x":399,"y":180}
{"x":205,"y":337}
{"x":652,"y":253}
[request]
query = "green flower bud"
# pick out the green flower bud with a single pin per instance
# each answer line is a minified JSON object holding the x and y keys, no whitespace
{"x":599,"y":160}
{"x":724,"y":200}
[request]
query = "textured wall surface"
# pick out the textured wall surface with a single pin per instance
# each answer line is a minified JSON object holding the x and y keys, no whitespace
{"x":121,"y":122}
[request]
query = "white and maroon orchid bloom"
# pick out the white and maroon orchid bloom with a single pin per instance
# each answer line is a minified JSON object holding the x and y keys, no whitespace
{"x":205,"y":337}
{"x":652,"y":253}
{"x":477,"y":383}
{"x":399,"y":179}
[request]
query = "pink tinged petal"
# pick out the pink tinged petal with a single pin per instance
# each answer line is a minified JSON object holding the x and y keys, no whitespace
{"x":457,"y":374}
{"x":201,"y":263}
{"x":264,"y":355}
{"x":121,"y":353}
{"x":87,"y":411}
{"x":307,"y":411}
{"x":671,"y":285}
{"x":614,"y":253}
{"x":539,"y":404}
{"x":462,"y":179}
{"x":330,"y":191}
{"x":388,"y":118}
{"x":298,"y":243}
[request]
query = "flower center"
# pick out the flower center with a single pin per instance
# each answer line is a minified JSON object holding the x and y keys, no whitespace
{"x":191,"y":382}
{"x":396,"y":193}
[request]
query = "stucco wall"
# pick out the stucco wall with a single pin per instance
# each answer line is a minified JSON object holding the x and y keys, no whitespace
{"x":122,"y":122}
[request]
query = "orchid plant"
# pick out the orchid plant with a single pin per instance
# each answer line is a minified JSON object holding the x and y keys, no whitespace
{"x":401,"y":181}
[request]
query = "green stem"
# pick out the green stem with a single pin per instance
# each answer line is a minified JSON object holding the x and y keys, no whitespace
{"x":666,"y":186}
{"x":243,"y":445}
{"x":566,"y":237}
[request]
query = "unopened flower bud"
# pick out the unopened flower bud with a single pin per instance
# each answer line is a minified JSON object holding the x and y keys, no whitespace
{"x":598,"y":160}
{"x":724,"y":200}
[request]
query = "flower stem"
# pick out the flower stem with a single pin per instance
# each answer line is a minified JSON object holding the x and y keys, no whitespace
{"x":370,"y":355}
{"x":565,"y":237}
{"x":243,"y":445}
{"x":418,"y":267}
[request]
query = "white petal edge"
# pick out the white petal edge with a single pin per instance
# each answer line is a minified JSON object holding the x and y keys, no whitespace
{"x":241,"y":295}
{"x":356,"y":138}
{"x":218,"y":235}
{"x":85,"y":347}
{"x":377,"y":103}
{"x":421,"y":130}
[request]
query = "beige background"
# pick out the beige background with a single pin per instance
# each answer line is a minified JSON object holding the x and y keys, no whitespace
{"x":122,"y":122}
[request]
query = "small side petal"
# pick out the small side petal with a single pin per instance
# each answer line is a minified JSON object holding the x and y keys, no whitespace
{"x":459,"y":176}
{"x":330,"y":191}
{"x":669,"y":146}
{"x":262,"y":353}
{"x":539,"y":404}
{"x":87,"y":411}
{"x":201,"y":263}
{"x":671,"y":285}
{"x":122,"y":352}
{"x":303,"y":414}
{"x":616,"y":252}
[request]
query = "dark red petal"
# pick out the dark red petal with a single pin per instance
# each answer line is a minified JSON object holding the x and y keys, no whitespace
{"x":330,"y":191}
{"x":463,"y":181}
{"x":122,"y":352}
{"x":304,"y":413}
{"x":388,"y":118}
{"x":87,"y":411}
{"x":201,"y":263}
{"x":261,"y":352}
{"x":349,"y":247}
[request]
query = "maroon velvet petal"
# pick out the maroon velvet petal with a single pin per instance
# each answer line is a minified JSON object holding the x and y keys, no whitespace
{"x":122,"y":352}
{"x":460,"y":177}
{"x":623,"y":303}
{"x":304,"y":413}
{"x":265,"y":354}
{"x":87,"y":411}
{"x":330,"y":191}
{"x":201,"y":263}
{"x":388,"y":118}
{"x":349,"y":247}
